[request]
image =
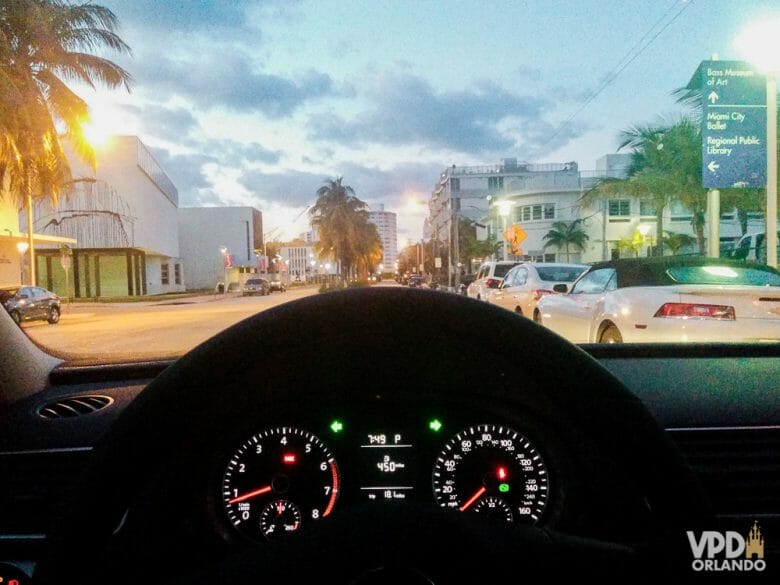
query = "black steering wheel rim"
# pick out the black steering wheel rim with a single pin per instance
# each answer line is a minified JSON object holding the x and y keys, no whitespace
{"x":355,"y":323}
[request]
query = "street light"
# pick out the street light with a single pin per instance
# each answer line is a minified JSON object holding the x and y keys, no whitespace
{"x":224,"y":251}
{"x":759,"y":43}
{"x":22,"y":247}
{"x":504,"y":209}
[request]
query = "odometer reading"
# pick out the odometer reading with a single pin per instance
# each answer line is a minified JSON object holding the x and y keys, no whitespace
{"x":277,"y":480}
{"x":494,"y":470}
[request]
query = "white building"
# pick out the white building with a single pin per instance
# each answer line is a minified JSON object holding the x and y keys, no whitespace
{"x":123,"y":218}
{"x":386,"y":226}
{"x":220,"y":244}
{"x":535,"y":196}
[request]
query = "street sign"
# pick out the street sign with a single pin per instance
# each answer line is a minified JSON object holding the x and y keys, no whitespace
{"x":733,"y":137}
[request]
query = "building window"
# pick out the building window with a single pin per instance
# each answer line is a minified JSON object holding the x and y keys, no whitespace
{"x":526,"y":213}
{"x":495,"y":184}
{"x":549,"y":211}
{"x":536,"y":212}
{"x":646,"y":208}
{"x":164,"y":277}
{"x":177,"y":273}
{"x":680,"y":212}
{"x":619,"y":207}
{"x":454,"y":185}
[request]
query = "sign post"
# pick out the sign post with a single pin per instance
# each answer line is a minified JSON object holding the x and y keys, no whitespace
{"x":734,"y":135}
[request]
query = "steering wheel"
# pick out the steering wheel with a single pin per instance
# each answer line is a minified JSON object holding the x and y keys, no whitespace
{"x":333,"y":340}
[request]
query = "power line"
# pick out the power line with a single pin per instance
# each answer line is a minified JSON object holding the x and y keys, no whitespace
{"x":627,"y":59}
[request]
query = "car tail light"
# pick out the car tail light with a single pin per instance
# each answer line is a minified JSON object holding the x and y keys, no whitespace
{"x":492,"y":283}
{"x":539,"y":293}
{"x":696,"y":310}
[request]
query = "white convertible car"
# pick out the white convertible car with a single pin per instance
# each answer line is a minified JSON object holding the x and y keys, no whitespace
{"x":667,"y":299}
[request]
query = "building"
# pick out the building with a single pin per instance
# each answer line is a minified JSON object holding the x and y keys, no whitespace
{"x":14,"y":243}
{"x":123,"y":217}
{"x":386,"y":226}
{"x":535,"y":196}
{"x":220,"y":245}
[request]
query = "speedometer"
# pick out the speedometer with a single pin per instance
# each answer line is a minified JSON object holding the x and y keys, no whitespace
{"x":493,"y":470}
{"x":277,"y":480}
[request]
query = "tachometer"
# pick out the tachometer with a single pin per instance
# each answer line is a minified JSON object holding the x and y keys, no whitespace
{"x":493,"y":470}
{"x":278,"y":479}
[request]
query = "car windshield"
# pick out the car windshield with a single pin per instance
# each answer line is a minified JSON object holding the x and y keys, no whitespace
{"x":158,"y":157}
{"x":724,"y":274}
{"x":558,"y":273}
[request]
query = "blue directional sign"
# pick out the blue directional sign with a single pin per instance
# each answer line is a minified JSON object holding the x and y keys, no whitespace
{"x":733,"y":133}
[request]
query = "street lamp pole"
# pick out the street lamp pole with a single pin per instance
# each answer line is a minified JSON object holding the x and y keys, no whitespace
{"x":224,"y":251}
{"x":22,"y":248}
{"x":504,"y":208}
{"x":760,"y":44}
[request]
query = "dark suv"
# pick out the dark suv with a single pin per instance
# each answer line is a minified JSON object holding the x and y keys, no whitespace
{"x":30,"y":303}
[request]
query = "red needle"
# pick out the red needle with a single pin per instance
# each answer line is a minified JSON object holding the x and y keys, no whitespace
{"x":473,"y":499}
{"x":241,"y":498}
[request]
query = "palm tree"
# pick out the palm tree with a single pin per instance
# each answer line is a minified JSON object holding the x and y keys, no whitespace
{"x":337,"y":215}
{"x":43,"y":45}
{"x":368,"y":247}
{"x":565,"y":234}
{"x":676,"y":242}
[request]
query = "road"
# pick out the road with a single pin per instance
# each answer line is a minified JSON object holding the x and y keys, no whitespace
{"x":148,"y":330}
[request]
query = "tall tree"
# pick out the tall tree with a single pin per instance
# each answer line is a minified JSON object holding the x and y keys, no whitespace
{"x":676,"y":242}
{"x":565,"y":234}
{"x":337,"y":215}
{"x":43,"y":45}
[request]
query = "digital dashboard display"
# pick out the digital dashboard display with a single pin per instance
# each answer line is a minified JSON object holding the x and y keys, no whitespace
{"x":387,"y":466}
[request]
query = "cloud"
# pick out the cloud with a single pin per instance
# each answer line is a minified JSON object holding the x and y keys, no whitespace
{"x":177,"y":17}
{"x":292,"y":188}
{"x":186,"y":172}
{"x":371,"y":184}
{"x":173,"y":124}
{"x":406,"y":109}
{"x":231,"y":81}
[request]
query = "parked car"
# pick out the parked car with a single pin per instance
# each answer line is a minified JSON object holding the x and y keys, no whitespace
{"x":526,"y":283}
{"x":752,"y":247}
{"x":489,"y":276}
{"x":31,"y":303}
{"x":277,"y":284}
{"x":668,"y":299}
{"x":256,"y":286}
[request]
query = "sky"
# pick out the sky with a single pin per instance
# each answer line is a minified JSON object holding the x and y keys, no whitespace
{"x":259,"y":102}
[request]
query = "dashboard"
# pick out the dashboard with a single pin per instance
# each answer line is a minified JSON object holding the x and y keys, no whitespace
{"x":223,"y":458}
{"x":282,"y":477}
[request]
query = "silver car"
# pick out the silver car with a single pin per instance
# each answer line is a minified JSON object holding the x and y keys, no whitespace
{"x":526,"y":283}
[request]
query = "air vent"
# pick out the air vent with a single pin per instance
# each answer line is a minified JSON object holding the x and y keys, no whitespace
{"x":739,"y":468}
{"x":75,"y":406}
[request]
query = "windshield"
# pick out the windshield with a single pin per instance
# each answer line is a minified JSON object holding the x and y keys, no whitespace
{"x":324,"y":145}
{"x":559,"y":274}
{"x":727,"y":274}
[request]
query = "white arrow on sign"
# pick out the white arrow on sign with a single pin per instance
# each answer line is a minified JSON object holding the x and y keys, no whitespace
{"x":713,"y":97}
{"x":713,"y":166}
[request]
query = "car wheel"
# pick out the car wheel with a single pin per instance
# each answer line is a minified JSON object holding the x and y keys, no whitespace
{"x":519,"y":311}
{"x":17,"y":317}
{"x":54,"y":315}
{"x":611,"y":335}
{"x":537,"y":317}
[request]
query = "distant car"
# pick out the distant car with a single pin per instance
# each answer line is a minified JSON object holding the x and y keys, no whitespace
{"x":31,"y":303}
{"x":488,"y":277}
{"x":526,"y":283}
{"x":256,"y":286}
{"x":416,"y":281}
{"x":670,"y":299}
{"x":277,"y":285}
